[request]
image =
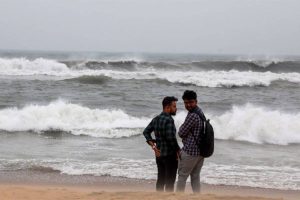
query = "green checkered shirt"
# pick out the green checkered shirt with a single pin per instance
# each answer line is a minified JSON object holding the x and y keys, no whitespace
{"x":165,"y":134}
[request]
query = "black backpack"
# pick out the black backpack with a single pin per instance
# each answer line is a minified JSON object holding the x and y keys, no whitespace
{"x":206,"y":142}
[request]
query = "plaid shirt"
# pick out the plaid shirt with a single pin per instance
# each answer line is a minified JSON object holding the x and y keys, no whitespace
{"x":165,"y":134}
{"x":192,"y":125}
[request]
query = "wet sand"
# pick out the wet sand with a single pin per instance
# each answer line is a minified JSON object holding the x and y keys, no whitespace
{"x":43,"y":184}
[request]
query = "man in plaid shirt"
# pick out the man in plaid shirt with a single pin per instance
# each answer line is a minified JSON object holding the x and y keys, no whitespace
{"x":165,"y":145}
{"x":191,"y":161}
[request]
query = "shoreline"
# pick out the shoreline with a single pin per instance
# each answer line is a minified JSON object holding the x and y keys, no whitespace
{"x":32,"y":180}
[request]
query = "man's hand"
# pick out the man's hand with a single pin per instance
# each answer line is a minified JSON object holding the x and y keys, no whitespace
{"x":156,"y":151}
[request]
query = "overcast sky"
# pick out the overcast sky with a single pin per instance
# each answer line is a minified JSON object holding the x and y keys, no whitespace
{"x":265,"y":27}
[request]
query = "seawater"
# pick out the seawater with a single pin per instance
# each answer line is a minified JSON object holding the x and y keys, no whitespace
{"x":84,"y":113}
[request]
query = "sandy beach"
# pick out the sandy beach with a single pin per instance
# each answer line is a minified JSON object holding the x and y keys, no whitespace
{"x":52,"y":185}
{"x":52,"y":192}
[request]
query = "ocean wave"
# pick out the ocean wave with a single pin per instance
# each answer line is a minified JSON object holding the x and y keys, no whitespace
{"x":202,"y":79}
{"x":226,"y":79}
{"x":25,"y":67}
{"x":230,"y":78}
{"x":98,"y":65}
{"x":130,"y":65}
{"x":90,"y":79}
{"x":71,"y":118}
{"x":255,"y":65}
{"x":258,"y":125}
{"x":212,"y":78}
{"x":275,"y":177}
{"x":249,"y":123}
{"x":254,"y":124}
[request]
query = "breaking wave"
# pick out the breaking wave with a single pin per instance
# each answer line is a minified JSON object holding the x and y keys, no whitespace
{"x":71,"y":118}
{"x":258,"y":125}
{"x":242,"y":123}
{"x":183,"y":74}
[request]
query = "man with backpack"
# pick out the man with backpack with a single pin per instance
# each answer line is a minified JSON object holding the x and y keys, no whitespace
{"x":191,"y":160}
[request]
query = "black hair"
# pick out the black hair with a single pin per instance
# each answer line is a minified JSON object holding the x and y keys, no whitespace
{"x":189,"y":95}
{"x":168,"y":100}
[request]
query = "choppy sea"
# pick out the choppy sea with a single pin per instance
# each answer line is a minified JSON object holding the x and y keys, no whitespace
{"x":83,"y":113}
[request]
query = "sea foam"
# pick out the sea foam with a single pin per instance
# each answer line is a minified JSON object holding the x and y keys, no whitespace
{"x":25,"y":67}
{"x":210,"y":78}
{"x":258,"y":125}
{"x":73,"y":118}
{"x":275,"y":177}
{"x":242,"y":123}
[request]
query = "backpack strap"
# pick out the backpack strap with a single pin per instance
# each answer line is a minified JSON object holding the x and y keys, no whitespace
{"x":203,"y":119}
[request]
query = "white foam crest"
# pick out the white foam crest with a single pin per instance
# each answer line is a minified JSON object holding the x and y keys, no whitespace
{"x":263,"y":61}
{"x":230,"y":78}
{"x":257,"y":125}
{"x":266,"y":63}
{"x":253,"y":124}
{"x":204,"y":79}
{"x":122,"y":59}
{"x":25,"y":67}
{"x":76,"y":119}
{"x":276,"y":177}
{"x":118,"y":167}
{"x":279,"y":177}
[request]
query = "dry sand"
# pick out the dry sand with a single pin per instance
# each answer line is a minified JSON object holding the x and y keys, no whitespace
{"x":22,"y":192}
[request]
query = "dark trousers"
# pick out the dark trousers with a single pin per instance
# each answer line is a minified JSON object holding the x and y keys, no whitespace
{"x":167,"y":170}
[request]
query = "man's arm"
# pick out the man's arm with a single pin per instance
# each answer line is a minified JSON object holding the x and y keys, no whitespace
{"x":147,"y":133}
{"x":188,"y":124}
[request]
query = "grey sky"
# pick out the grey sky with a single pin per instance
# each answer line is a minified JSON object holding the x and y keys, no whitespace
{"x":181,"y":26}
